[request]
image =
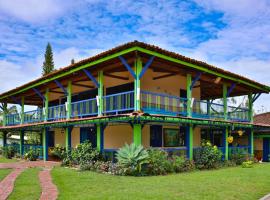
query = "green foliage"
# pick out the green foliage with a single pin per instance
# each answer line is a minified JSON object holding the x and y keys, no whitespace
{"x":247,"y":164}
{"x":131,"y":158}
{"x":58,"y":151}
{"x":48,"y":64}
{"x":158,"y":163}
{"x":31,"y":155}
{"x":239,"y":157}
{"x":181,"y":164}
{"x":83,"y":154}
{"x":8,"y":151}
{"x":208,"y":156}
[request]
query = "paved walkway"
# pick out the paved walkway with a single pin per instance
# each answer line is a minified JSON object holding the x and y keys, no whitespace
{"x":49,"y":190}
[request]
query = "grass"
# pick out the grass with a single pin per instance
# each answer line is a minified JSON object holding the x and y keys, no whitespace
{"x":4,"y":173}
{"x":27,"y":185}
{"x":229,"y":183}
{"x":6,"y":160}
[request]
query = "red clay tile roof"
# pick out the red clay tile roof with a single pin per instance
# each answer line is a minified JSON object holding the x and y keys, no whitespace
{"x":263,"y":118}
{"x":136,"y":44}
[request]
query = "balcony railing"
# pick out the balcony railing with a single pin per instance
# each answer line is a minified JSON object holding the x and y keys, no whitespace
{"x":57,"y":112}
{"x":84,"y":108}
{"x":119,"y":103}
{"x":151,"y":102}
{"x":163,"y":104}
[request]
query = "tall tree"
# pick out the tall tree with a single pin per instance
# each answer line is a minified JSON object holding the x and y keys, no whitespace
{"x":48,"y":64}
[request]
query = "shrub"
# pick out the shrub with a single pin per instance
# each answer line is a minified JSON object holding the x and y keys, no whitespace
{"x":181,"y":164}
{"x":208,"y":156}
{"x":239,"y":157}
{"x":131,"y":158}
{"x":229,"y":163}
{"x":31,"y":155}
{"x":8,"y":152}
{"x":158,"y":163}
{"x":247,"y":164}
{"x":58,"y":151}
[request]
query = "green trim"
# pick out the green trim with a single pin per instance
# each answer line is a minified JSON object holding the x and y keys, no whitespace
{"x":22,"y":111}
{"x":100,"y":92}
{"x":68,"y":138}
{"x":252,"y":141}
{"x":237,"y":80}
{"x":262,"y":136}
{"x":189,"y":95}
{"x":137,"y":84}
{"x":44,"y":144}
{"x":46,"y":104}
{"x":69,"y":95}
{"x":190,"y":145}
{"x":226,"y":156}
{"x":137,"y":134}
{"x":4,"y":115}
{"x":250,"y":108}
{"x":225,"y":105}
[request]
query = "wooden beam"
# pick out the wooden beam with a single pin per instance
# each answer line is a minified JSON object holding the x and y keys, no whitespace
{"x":82,"y":85}
{"x":58,"y":92}
{"x":116,"y":76}
{"x":164,"y":76}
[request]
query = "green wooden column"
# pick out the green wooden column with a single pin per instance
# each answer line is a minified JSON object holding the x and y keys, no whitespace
{"x":225,"y":143}
{"x":100,"y":92}
{"x":251,"y":142}
{"x":189,"y":95}
{"x":22,"y":142}
{"x":46,"y":104}
{"x":22,"y":112}
{"x":100,"y":137}
{"x":45,"y":143}
{"x":4,"y":115}
{"x":250,"y":107}
{"x":225,"y":106}
{"x":137,"y":134}
{"x":68,"y":131}
{"x":137,"y":84}
{"x":69,"y":93}
{"x":189,"y":135}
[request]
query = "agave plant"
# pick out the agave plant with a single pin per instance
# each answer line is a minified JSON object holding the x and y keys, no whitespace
{"x":131,"y":158}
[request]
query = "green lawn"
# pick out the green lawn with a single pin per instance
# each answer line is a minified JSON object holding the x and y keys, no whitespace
{"x":4,"y":173}
{"x":27,"y":185}
{"x":5,"y":160}
{"x":229,"y":183}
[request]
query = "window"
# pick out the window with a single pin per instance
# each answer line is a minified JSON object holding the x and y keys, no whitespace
{"x":173,"y":137}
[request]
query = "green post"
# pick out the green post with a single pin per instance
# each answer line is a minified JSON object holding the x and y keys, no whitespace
{"x":225,"y":91}
{"x":22,"y":142}
{"x":22,"y":113}
{"x":69,"y":91}
{"x":46,"y":104}
{"x":100,"y":137}
{"x":45,"y":143}
{"x":68,"y":131}
{"x":251,"y":142}
{"x":189,"y":95}
{"x":4,"y":115}
{"x":137,"y":84}
{"x":137,"y":134}
{"x":226,"y":144}
{"x":250,"y":108}
{"x":190,"y":141}
{"x":100,"y":92}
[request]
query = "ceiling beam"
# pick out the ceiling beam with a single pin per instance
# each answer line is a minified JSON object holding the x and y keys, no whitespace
{"x":164,"y":76}
{"x":116,"y":76}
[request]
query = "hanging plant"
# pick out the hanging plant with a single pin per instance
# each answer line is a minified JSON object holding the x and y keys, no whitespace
{"x":230,"y":139}
{"x":240,"y":132}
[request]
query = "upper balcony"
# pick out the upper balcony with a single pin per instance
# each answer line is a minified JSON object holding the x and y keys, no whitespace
{"x":134,"y":77}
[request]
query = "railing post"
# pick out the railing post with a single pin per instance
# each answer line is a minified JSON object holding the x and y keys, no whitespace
{"x":69,"y":93}
{"x":100,"y":92}
{"x":251,"y":142}
{"x":225,"y":106}
{"x":100,"y":137}
{"x":189,"y":95}
{"x":45,"y":143}
{"x":137,"y":134}
{"x":137,"y":84}
{"x":189,"y":141}
{"x":22,"y":142}
{"x":46,"y":104}
{"x":225,"y":143}
{"x":22,"y":112}
{"x":250,"y":108}
{"x":68,"y":131}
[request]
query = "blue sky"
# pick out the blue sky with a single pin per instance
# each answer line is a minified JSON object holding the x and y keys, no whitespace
{"x":230,"y":35}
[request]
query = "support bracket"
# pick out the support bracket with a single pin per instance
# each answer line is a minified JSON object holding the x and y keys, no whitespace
{"x":147,"y":65}
{"x":255,"y":97}
{"x":39,"y":94}
{"x":198,"y":76}
{"x":61,"y":86}
{"x":128,"y":67}
{"x":16,"y":101}
{"x":91,"y":77}
{"x":231,"y":89}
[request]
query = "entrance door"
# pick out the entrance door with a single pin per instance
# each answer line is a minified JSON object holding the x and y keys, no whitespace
{"x":266,"y":151}
{"x":156,"y":136}
{"x":50,"y":138}
{"x":90,"y":134}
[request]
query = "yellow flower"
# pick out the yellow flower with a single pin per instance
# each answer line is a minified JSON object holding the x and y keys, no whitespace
{"x":230,"y":139}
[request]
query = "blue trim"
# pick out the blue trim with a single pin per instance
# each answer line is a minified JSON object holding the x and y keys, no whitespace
{"x":16,"y":101}
{"x":198,"y":76}
{"x":39,"y":94}
{"x":147,"y":65}
{"x":90,"y":76}
{"x":256,"y":97}
{"x":231,"y":89}
{"x":61,"y":86}
{"x":128,"y":67}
